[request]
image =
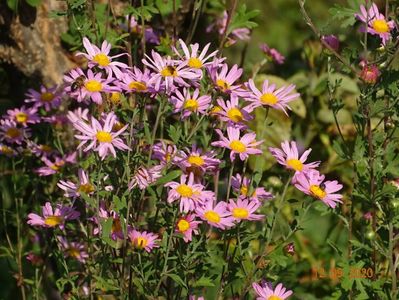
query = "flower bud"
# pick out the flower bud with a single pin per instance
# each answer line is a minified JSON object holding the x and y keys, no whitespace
{"x":370,"y":74}
{"x":332,"y":41}
{"x":289,"y":249}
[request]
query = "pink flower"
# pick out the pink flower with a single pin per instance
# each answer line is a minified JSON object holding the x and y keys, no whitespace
{"x":101,"y":134}
{"x":272,"y":54}
{"x":73,"y":249}
{"x":266,"y":292}
{"x":144,"y":177}
{"x":232,"y":113}
{"x":78,"y":114}
{"x":149,"y":34}
{"x":49,"y":98}
{"x":242,"y":186}
{"x":188,"y":104}
{"x":186,"y":226}
{"x":11,"y":133}
{"x":271,"y":96}
{"x":236,"y":34}
{"x":193,"y":59}
{"x":197,"y":161}
{"x":52,"y":218}
{"x":24,"y":116}
{"x":289,"y":157}
{"x":243,"y":146}
{"x":73,"y":190}
{"x":8,"y":151}
{"x":370,"y":74}
{"x":137,"y":81}
{"x":104,"y":215}
{"x":376,"y":24}
{"x":143,"y":240}
{"x":164,"y":153}
{"x":225,"y":79}
{"x":244,"y":210}
{"x":217,"y":216}
{"x":100,"y":58}
{"x":54,"y":165}
{"x":190,"y":194}
{"x":312,"y":183}
{"x":41,"y":150}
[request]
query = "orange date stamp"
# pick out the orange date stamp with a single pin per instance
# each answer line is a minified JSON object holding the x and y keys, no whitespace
{"x":337,"y":273}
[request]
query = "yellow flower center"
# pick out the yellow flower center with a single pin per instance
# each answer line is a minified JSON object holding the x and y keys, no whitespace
{"x":74,"y":252}
{"x":141,"y":242}
{"x":101,"y":59}
{"x":273,"y":297}
{"x":184,"y":190}
{"x":240,"y":213}
{"x":295,"y":164}
{"x":117,"y":126}
{"x":169,"y":71}
{"x":46,"y":97}
{"x":317,"y":191}
{"x":86,"y":188}
{"x":55,"y":167}
{"x":223,"y":85}
{"x":215,"y":110}
{"x":244,"y":190}
{"x":196,"y":160}
{"x":212,"y":216}
{"x":380,"y":26}
{"x":6,"y":150}
{"x":21,"y":117}
{"x":13,"y":132}
{"x":269,"y":99}
{"x":115,"y":97}
{"x":116,"y":225}
{"x":195,"y":63}
{"x":138,"y":86}
{"x":183,"y":225}
{"x":238,"y":146}
{"x":235,"y":115}
{"x":104,"y":137}
{"x":93,"y":86}
{"x":53,"y":221}
{"x":45,"y":148}
{"x":191,"y":104}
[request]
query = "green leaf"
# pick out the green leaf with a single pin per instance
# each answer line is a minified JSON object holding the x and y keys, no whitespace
{"x":33,"y":3}
{"x":175,"y":133}
{"x":168,"y":177}
{"x":178,"y":280}
{"x":242,"y":19}
{"x":204,"y":282}
{"x":12,"y":4}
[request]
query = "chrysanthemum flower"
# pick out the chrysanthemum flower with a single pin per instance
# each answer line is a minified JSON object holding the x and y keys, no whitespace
{"x":24,"y":116}
{"x":90,"y":86}
{"x":187,"y":226}
{"x":196,"y":161}
{"x":145,"y":176}
{"x":41,"y":150}
{"x":74,"y":250}
{"x":271,"y":96}
{"x":243,"y":146}
{"x":266,"y":292}
{"x":6,"y":150}
{"x":241,"y":185}
{"x":169,"y":71}
{"x":232,"y":113}
{"x":100,"y":58}
{"x":376,"y":23}
{"x":312,"y":183}
{"x":78,"y":114}
{"x":52,"y":218}
{"x":218,"y":216}
{"x":288,"y":156}
{"x":49,"y":98}
{"x":244,"y":209}
{"x":137,"y":81}
{"x":164,"y":152}
{"x":102,"y":135}
{"x":224,"y":79}
{"x":54,"y":165}
{"x":272,"y":54}
{"x":189,"y":193}
{"x":188,"y":104}
{"x":11,"y":133}
{"x":143,"y":240}
{"x":193,"y":59}
{"x":73,"y":190}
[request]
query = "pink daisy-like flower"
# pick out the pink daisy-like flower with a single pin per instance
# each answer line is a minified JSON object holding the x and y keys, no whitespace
{"x":312,"y":183}
{"x":224,"y":79}
{"x":169,"y":71}
{"x":272,"y":54}
{"x":288,"y":156}
{"x":144,"y":177}
{"x":244,"y":209}
{"x":193,"y":59}
{"x":11,"y":133}
{"x":100,"y":58}
{"x":90,"y":86}
{"x":54,"y":166}
{"x":271,"y":96}
{"x":137,"y":81}
{"x":197,"y":161}
{"x":189,"y":193}
{"x":266,"y":291}
{"x":73,"y":190}
{"x":188,"y":104}
{"x":6,"y":150}
{"x":41,"y":150}
{"x":49,"y":98}
{"x":232,"y":113}
{"x":218,"y":216}
{"x":241,"y":185}
{"x":143,"y":240}
{"x":24,"y":116}
{"x":376,"y":24}
{"x":50,"y":218}
{"x":103,"y":135}
{"x":187,"y":226}
{"x":164,"y":152}
{"x":73,"y":249}
{"x":78,"y":114}
{"x":243,"y":146}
